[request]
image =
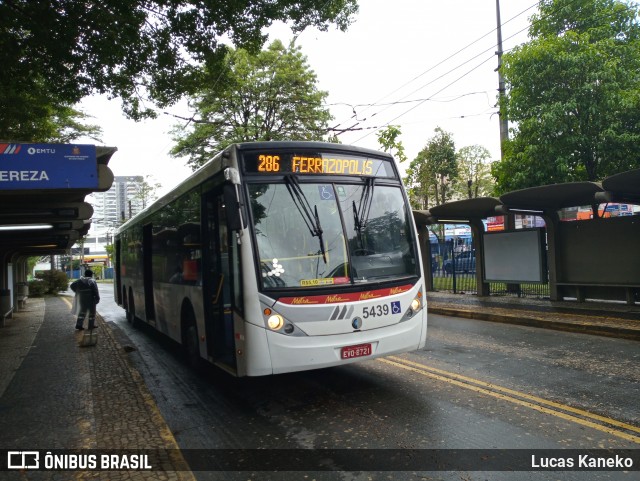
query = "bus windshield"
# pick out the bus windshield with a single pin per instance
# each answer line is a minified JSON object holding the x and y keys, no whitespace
{"x":326,"y":234}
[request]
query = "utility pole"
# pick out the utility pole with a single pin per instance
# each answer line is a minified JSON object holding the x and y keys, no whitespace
{"x":504,"y":124}
{"x":509,"y":220}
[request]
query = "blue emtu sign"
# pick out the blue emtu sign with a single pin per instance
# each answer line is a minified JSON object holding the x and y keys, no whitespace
{"x":48,"y":166}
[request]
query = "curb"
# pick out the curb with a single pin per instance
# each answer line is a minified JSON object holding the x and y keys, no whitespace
{"x":522,"y":320}
{"x":183,"y":471}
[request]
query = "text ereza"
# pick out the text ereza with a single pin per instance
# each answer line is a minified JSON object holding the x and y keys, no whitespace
{"x":23,"y":175}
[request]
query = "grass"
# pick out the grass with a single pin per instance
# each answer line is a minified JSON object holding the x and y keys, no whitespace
{"x":467,"y":283}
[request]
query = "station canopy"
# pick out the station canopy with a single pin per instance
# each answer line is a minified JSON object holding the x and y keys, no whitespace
{"x":42,"y":194}
{"x":620,"y":188}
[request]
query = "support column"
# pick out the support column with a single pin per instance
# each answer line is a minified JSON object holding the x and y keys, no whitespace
{"x":425,"y":249}
{"x":477,"y":233}
{"x":551,"y":226}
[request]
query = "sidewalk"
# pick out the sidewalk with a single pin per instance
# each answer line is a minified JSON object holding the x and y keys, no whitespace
{"x":57,"y":395}
{"x":599,"y":318}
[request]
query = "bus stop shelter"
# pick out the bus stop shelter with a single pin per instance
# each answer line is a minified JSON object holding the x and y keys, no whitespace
{"x":596,"y":258}
{"x":42,"y":205}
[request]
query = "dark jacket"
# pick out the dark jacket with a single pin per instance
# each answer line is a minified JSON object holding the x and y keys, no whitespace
{"x":87,"y":293}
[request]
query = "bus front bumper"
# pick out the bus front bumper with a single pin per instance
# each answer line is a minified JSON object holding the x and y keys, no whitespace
{"x":289,"y":354}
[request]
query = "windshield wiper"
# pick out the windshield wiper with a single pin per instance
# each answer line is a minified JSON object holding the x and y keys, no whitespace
{"x":361,"y":213}
{"x":309,"y":215}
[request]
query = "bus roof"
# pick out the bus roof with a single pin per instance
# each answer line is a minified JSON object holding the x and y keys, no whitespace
{"x":320,"y":146}
{"x":215,"y":166}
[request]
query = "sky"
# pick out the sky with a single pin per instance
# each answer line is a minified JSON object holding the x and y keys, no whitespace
{"x":417,"y":64}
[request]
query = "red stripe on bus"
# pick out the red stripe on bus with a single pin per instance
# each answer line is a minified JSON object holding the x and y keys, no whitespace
{"x":346,"y":297}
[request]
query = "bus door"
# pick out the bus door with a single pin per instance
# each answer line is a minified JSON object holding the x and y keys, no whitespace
{"x":149,"y":307}
{"x":219,"y":257}
{"x":117,"y":272}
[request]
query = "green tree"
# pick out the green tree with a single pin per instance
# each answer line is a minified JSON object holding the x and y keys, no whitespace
{"x":36,"y":116}
{"x":55,"y":281}
{"x":31,"y":264}
{"x":474,"y":173}
{"x":110,"y":248}
{"x":388,"y":138}
{"x":432,"y":175}
{"x":573,"y":93}
{"x":268,"y":96}
{"x":138,"y":50}
{"x":145,"y":191}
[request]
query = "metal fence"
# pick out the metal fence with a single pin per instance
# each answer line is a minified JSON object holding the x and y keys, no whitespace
{"x":453,"y":269}
{"x":538,"y":291}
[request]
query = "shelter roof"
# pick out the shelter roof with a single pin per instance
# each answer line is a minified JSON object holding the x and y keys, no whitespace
{"x":553,"y":196}
{"x":50,"y":220}
{"x":480,"y":207}
{"x":623,"y":187}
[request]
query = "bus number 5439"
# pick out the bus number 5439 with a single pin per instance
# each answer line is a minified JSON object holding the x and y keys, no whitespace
{"x":375,"y":311}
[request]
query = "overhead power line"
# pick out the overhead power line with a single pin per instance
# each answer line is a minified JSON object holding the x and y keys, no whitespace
{"x":436,"y":93}
{"x":443,"y":61}
{"x":387,"y":105}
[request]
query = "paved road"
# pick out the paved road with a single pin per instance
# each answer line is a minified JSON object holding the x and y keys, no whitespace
{"x":476,"y":385}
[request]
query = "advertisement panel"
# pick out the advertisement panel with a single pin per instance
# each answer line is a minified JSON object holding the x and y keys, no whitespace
{"x":515,"y":256}
{"x":48,"y":166}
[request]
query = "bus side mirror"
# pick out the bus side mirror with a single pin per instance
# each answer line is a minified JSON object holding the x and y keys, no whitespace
{"x":233,"y":202}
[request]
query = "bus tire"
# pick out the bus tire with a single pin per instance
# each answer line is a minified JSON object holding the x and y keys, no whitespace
{"x":192,"y":346}
{"x":190,"y":341}
{"x":131,"y":311}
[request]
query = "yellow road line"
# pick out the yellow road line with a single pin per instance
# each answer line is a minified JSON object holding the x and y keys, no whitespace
{"x":450,"y":378}
{"x":530,"y":397}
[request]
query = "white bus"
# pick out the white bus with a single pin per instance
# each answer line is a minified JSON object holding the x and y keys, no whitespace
{"x":277,"y":257}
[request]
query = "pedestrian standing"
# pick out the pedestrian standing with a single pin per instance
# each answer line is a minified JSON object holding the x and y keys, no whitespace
{"x":87,"y":296}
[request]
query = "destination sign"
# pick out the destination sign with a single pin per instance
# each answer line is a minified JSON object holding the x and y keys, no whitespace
{"x":316,"y":164}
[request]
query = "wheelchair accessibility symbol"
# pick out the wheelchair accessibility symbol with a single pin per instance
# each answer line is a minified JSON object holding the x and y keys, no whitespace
{"x":395,"y":307}
{"x":326,"y":192}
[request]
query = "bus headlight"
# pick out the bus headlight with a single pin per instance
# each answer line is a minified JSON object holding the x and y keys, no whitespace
{"x":275,"y":322}
{"x":416,"y":305}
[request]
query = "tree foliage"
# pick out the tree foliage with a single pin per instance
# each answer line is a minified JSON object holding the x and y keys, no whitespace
{"x":137,"y":50}
{"x":268,"y":96}
{"x":474,"y":173}
{"x":433,"y":174}
{"x":35,"y":116}
{"x":54,"y":281}
{"x":389,"y":140}
{"x":573,"y":93}
{"x":146,"y":191}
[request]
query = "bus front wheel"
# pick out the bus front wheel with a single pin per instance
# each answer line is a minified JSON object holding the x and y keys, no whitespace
{"x":131,"y":311}
{"x":192,"y":346}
